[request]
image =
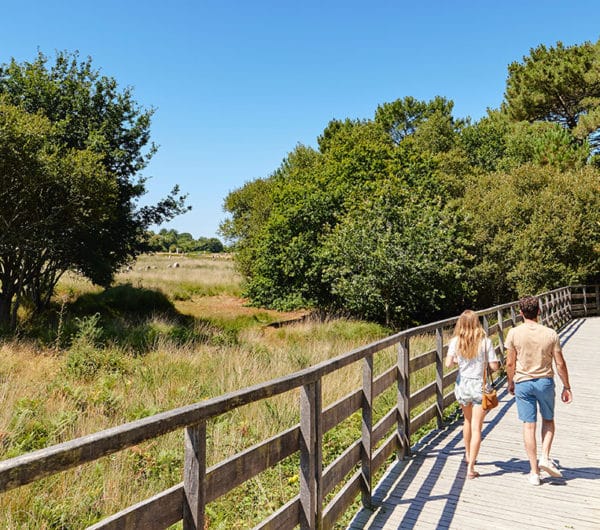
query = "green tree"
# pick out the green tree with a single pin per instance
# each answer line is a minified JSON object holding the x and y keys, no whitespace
{"x":560,"y":84}
{"x":533,"y":229}
{"x":88,"y":113}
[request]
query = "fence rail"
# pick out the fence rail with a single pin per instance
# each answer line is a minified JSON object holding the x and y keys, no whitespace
{"x":351,"y":473}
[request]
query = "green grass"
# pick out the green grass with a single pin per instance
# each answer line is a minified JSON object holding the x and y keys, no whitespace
{"x":100,"y":359}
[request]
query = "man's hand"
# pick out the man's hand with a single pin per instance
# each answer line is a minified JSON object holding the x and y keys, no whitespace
{"x":511,"y":387}
{"x":566,"y":395}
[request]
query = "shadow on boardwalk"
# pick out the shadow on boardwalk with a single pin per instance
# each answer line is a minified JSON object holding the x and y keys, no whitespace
{"x":430,"y":489}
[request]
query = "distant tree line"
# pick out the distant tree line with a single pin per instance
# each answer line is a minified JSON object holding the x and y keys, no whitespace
{"x":415,"y":214}
{"x":174,"y":241}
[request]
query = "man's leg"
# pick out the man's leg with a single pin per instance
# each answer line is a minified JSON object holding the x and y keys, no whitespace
{"x":547,"y":437}
{"x":531,"y":446}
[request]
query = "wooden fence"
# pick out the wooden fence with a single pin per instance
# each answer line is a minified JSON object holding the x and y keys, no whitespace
{"x":349,"y":475}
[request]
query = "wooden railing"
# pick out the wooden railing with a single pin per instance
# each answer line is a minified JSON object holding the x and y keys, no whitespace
{"x":349,"y":475}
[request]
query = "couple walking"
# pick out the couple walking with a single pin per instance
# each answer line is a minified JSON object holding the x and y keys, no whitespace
{"x":531,"y":350}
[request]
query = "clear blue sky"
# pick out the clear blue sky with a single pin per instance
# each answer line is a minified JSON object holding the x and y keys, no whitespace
{"x":236,"y":85}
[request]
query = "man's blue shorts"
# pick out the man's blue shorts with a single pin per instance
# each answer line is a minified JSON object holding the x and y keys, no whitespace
{"x":530,"y":393}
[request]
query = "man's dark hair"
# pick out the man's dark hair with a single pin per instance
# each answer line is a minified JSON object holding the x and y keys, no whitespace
{"x":529,"y":306}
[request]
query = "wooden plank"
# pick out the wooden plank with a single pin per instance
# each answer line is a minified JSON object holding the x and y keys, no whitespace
{"x":384,"y":425}
{"x":243,"y":466}
{"x":439,"y":376}
{"x":391,"y":444}
{"x":340,"y":467}
{"x":311,"y":458}
{"x":341,"y":501}
{"x":403,"y":394}
{"x":367,"y":431}
{"x":423,"y":418}
{"x":287,"y":517}
{"x":422,"y":395}
{"x":342,"y":409}
{"x":194,"y":472}
{"x":431,"y":491}
{"x":421,"y":361}
{"x":385,"y":380}
{"x":158,"y":512}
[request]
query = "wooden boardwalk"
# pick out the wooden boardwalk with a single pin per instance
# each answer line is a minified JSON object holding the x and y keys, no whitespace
{"x":430,"y":490}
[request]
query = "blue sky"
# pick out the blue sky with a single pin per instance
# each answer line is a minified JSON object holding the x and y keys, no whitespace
{"x":237,"y":85}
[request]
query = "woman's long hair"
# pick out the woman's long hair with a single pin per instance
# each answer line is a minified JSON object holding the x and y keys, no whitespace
{"x":469,"y":333}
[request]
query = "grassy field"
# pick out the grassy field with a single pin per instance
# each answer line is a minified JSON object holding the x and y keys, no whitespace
{"x":162,"y":337}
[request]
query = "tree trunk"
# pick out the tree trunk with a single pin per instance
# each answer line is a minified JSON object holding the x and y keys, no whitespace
{"x":5,"y":312}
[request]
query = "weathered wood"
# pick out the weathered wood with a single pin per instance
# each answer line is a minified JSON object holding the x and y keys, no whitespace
{"x":384,"y":425}
{"x":403,"y":395}
{"x":439,"y":376}
{"x":421,"y":361}
{"x":422,"y":395}
{"x":342,"y":501}
{"x":243,"y":466}
{"x":431,"y":490}
{"x":367,"y":431}
{"x":423,"y":418}
{"x":387,"y":449}
{"x":158,"y":512}
{"x":341,"y":410}
{"x":385,"y":380}
{"x":340,"y":467}
{"x":202,"y":486}
{"x":311,"y":460}
{"x":194,"y":474}
{"x":288,"y":516}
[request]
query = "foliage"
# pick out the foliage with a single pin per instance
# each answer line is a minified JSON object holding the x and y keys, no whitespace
{"x":345,"y":228}
{"x":533,"y":229}
{"x":174,"y":241}
{"x":72,"y":146}
{"x":560,"y":84}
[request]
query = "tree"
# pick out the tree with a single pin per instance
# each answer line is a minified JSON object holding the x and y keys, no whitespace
{"x":560,"y":84}
{"x":100,"y":129}
{"x":533,"y":229}
{"x":404,"y":117}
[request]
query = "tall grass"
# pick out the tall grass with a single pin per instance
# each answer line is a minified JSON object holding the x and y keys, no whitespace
{"x":127,"y":353}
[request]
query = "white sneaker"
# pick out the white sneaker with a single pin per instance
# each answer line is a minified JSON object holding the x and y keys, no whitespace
{"x":534,"y":479}
{"x":550,"y":467}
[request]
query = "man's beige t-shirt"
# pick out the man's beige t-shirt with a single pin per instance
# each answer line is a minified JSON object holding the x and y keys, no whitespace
{"x":535,"y":345}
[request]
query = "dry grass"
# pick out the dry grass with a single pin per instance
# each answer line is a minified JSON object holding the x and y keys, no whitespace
{"x":47,"y":398}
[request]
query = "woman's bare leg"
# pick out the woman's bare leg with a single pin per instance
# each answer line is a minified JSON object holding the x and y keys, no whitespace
{"x":475,"y":443}
{"x":467,"y":411}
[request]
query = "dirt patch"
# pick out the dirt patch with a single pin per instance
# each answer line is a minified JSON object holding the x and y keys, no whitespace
{"x":231,"y":306}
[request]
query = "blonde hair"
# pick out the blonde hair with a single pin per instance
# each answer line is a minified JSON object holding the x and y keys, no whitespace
{"x":469,"y":333}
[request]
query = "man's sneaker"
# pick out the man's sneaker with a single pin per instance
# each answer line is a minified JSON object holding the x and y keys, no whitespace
{"x":534,"y":479}
{"x":550,"y":467}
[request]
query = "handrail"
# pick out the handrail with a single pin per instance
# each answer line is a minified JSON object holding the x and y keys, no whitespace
{"x":202,"y":485}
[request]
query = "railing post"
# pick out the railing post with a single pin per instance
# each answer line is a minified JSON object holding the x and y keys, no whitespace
{"x":367,"y":432}
{"x":585,"y":301}
{"x":439,"y":376}
{"x":500,"y":317}
{"x":311,"y":458}
{"x":597,"y":299}
{"x":404,"y":395}
{"x":193,"y":481}
{"x":570,"y":302}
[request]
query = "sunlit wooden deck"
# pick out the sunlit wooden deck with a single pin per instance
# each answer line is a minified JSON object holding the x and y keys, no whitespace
{"x":430,"y":490}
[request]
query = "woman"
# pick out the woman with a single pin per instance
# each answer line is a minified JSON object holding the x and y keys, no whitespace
{"x":470,"y":348}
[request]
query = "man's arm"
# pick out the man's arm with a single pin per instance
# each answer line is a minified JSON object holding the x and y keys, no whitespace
{"x":561,"y":367}
{"x":511,"y":363}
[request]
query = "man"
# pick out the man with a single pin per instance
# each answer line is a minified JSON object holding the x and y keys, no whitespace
{"x":530,"y":350}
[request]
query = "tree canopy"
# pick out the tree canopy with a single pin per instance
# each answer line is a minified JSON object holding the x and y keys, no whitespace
{"x":416,"y":214}
{"x":560,"y":84}
{"x":72,"y":147}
